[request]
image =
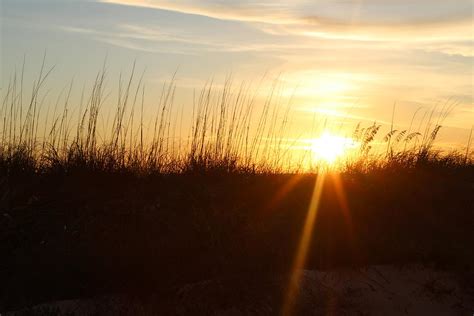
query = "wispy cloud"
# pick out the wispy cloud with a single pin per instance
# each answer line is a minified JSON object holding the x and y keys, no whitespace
{"x":418,"y":50}
{"x":351,"y":19}
{"x":151,"y":38}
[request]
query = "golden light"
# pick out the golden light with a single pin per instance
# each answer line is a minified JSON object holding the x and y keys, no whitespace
{"x":327,"y":86}
{"x":303,"y":246}
{"x":329,"y":147}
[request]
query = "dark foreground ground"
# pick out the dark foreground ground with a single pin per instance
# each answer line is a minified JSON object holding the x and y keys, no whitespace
{"x":84,"y":235}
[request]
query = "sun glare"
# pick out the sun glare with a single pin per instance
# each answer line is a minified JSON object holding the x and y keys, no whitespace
{"x":329,"y":147}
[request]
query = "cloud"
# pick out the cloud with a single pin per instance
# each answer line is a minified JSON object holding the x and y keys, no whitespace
{"x":135,"y":38}
{"x":349,"y":19}
{"x":217,"y":10}
{"x":152,"y":38}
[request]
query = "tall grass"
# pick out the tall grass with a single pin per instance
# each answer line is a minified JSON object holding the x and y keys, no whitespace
{"x":230,"y":131}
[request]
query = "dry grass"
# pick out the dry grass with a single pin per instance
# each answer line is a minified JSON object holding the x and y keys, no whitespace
{"x":142,"y":207}
{"x":229,"y":132}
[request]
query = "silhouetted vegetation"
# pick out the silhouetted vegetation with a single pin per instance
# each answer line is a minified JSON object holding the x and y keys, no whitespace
{"x":141,"y":211}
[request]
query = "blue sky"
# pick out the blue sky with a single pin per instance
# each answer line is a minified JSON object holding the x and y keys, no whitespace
{"x":338,"y":52}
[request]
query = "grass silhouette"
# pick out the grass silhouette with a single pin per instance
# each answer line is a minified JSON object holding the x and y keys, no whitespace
{"x":143,"y":210}
{"x":228,"y":132}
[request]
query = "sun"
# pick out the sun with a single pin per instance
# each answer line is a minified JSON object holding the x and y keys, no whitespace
{"x":329,"y":147}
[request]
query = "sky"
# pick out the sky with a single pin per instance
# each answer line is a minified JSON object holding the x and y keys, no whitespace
{"x":351,"y":59}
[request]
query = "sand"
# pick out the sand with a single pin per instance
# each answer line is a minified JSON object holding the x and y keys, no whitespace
{"x":376,"y":290}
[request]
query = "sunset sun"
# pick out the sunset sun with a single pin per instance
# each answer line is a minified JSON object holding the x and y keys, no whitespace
{"x":329,"y":147}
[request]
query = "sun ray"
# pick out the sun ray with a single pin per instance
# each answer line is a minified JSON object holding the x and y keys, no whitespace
{"x":283,"y":191}
{"x":303,"y":246}
{"x":344,"y":207}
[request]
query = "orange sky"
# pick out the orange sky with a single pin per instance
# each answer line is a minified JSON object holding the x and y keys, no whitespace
{"x":348,"y":61}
